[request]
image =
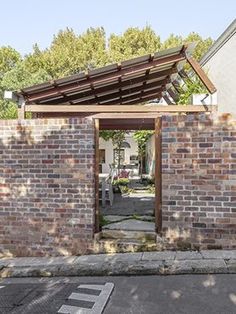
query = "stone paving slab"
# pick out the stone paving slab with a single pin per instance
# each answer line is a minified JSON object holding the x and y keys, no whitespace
{"x":196,"y":266}
{"x":116,"y":218}
{"x":118,"y":257}
{"x":188,"y":255}
{"x":159,"y":256}
{"x":163,"y":263}
{"x":38,"y":261}
{"x":225,"y":254}
{"x":131,"y":225}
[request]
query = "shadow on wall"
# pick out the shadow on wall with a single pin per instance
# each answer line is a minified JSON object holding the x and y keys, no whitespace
{"x":46,"y":186}
{"x":199,"y":180}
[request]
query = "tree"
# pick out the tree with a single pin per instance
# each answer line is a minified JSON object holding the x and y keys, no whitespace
{"x":117,"y":137}
{"x":132,"y":43}
{"x":172,"y":41}
{"x":16,"y":79}
{"x":9,"y":57}
{"x":141,"y":137}
{"x":202,"y":44}
{"x":191,"y":86}
{"x":70,"y":53}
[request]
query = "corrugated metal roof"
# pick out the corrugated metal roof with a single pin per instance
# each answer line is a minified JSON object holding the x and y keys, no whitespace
{"x":132,"y":81}
{"x":139,"y":79}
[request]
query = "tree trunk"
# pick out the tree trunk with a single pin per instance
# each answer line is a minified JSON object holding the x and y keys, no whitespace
{"x":141,"y":167}
{"x":119,"y":157}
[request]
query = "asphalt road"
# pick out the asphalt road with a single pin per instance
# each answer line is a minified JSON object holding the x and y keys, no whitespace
{"x":143,"y":294}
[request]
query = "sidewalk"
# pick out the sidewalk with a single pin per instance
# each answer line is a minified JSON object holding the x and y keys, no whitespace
{"x":147,"y":263}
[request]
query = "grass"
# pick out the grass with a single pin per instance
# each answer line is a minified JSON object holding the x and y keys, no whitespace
{"x":103,"y":221}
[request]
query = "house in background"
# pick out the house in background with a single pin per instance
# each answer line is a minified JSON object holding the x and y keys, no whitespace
{"x":129,"y":154}
{"x":220,"y":65}
{"x":150,"y":156}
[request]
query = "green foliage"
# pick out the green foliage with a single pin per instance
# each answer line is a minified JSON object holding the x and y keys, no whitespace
{"x":103,"y":221}
{"x":141,"y":137}
{"x":151,"y":188}
{"x":9,"y":57}
{"x":8,"y":110}
{"x":133,"y":42}
{"x":117,"y":137}
{"x":202,"y":45}
{"x":20,"y":77}
{"x":15,"y":79}
{"x":121,"y":182}
{"x":70,"y":53}
{"x":193,"y":86}
{"x":172,"y":41}
{"x":124,"y":190}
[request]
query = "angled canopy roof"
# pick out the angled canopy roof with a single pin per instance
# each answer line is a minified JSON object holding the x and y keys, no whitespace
{"x":131,"y":82}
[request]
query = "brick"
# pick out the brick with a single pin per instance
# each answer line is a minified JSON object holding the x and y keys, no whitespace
{"x":36,"y":220}
{"x":205,"y":144}
{"x":206,"y":177}
{"x":183,"y":150}
{"x":199,"y":225}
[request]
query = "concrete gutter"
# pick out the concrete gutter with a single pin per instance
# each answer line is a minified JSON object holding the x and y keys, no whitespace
{"x":147,"y":263}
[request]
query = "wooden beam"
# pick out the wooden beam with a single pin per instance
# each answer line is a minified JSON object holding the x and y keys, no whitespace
{"x":96,"y":174}
{"x":167,"y":99}
{"x":71,"y":87}
{"x":136,"y":99}
{"x":127,"y":126}
{"x":119,"y":108}
{"x":21,"y":108}
{"x":127,"y":115}
{"x":158,"y":176}
{"x":114,"y":86}
{"x":21,"y":113}
{"x":173,"y":94}
{"x":182,"y":73}
{"x":176,"y":86}
{"x":201,"y":74}
{"x":156,"y":87}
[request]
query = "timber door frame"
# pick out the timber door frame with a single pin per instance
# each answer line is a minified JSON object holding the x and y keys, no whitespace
{"x":158,"y":175}
{"x":96,"y":176}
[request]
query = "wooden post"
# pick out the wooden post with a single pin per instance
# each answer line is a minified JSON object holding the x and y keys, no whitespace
{"x":21,"y":108}
{"x":201,"y":74}
{"x":158,"y":182}
{"x":97,"y":223}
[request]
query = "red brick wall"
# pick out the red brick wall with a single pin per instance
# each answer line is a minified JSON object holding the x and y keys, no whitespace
{"x":199,"y":180}
{"x":46,"y":186}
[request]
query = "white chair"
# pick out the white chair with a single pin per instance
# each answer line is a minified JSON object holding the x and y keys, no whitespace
{"x":106,"y":188}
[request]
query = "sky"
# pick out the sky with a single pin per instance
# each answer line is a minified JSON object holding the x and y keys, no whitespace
{"x":26,"y":22}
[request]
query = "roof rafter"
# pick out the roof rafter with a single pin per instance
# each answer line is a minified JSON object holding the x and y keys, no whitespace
{"x":134,"y":81}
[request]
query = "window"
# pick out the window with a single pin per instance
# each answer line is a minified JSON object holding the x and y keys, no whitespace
{"x":133,"y":159}
{"x":102,"y":155}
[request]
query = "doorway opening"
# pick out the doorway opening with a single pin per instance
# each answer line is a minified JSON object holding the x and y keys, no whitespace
{"x":128,"y":180}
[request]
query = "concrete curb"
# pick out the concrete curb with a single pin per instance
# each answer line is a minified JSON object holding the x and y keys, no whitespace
{"x":147,"y":263}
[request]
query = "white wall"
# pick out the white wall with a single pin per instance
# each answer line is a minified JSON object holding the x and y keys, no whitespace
{"x":107,"y":145}
{"x":221,"y":69}
{"x":150,"y":156}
